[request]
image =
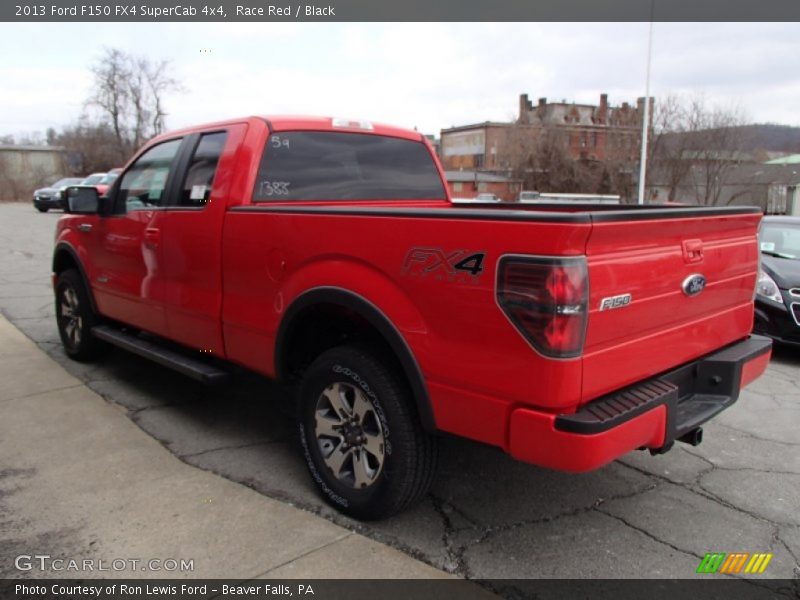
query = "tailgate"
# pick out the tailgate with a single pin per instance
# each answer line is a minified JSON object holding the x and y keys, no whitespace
{"x":662,"y":326}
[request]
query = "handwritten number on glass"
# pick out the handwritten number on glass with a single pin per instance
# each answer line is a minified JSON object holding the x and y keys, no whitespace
{"x":274,"y":188}
{"x":278,"y":143}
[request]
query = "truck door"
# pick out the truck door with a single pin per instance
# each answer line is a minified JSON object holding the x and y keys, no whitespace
{"x":126,"y":246}
{"x":192,"y":238}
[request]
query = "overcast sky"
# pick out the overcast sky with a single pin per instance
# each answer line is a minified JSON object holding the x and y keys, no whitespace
{"x":427,"y":75}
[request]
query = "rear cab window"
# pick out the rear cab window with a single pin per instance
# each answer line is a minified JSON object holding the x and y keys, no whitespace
{"x":321,"y":165}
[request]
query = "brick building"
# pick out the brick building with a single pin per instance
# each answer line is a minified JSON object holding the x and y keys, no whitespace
{"x":590,"y":132}
{"x":470,"y":183}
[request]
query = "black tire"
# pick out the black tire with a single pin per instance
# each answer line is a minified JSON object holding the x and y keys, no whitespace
{"x":42,"y":208}
{"x":409,"y":456}
{"x":75,"y":317}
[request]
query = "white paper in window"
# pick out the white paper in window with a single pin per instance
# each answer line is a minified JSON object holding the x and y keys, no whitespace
{"x":198,"y":192}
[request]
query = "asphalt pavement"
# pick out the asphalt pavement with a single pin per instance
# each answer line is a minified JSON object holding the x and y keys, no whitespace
{"x":488,"y":515}
{"x":80,"y":482}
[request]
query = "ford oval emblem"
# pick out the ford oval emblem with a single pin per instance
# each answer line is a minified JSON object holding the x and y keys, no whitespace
{"x":693,"y":284}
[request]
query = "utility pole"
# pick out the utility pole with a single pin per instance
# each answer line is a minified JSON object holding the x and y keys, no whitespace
{"x":646,"y":115}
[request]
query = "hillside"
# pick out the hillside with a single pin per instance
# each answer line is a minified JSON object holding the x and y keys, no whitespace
{"x":771,"y":137}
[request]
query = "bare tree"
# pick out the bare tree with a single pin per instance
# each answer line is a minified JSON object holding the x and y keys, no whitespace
{"x":717,"y":151}
{"x":537,"y":157}
{"x":696,"y":147}
{"x":159,"y":81}
{"x":28,"y":138}
{"x":667,"y":166}
{"x":90,"y":146}
{"x":111,"y":77}
{"x":540,"y":158}
{"x":129,"y":96}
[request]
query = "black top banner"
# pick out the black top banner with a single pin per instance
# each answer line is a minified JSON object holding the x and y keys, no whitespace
{"x":105,"y":11}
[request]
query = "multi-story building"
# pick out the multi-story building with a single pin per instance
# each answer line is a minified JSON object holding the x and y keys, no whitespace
{"x":588,"y":132}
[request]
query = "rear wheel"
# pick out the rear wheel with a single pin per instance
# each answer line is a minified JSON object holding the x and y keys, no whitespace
{"x":75,"y":317}
{"x":362,"y":439}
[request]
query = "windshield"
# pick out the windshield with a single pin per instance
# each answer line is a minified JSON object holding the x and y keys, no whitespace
{"x":780,"y":239}
{"x":109,"y":178}
{"x":92,"y":179}
{"x":66,"y":181}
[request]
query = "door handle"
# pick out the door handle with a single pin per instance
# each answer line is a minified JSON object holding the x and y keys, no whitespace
{"x":152,"y":236}
{"x":692,"y":251}
{"x":85,"y":227}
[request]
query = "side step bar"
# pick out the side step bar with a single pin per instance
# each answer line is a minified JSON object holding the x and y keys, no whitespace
{"x":196,"y":369}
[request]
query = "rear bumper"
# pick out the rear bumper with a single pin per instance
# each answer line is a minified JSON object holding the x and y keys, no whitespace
{"x":650,"y":414}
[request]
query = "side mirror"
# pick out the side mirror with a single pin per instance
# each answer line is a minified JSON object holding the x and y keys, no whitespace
{"x":82,"y":200}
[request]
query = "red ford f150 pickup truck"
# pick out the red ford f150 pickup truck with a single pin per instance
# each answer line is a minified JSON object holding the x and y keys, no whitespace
{"x":327,"y":253}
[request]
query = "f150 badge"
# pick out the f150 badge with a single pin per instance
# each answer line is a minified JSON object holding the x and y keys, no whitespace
{"x":452,"y":265}
{"x":615,"y":302}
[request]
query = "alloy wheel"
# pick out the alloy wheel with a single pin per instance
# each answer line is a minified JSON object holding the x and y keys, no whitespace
{"x":71,"y":320}
{"x":350,"y":435}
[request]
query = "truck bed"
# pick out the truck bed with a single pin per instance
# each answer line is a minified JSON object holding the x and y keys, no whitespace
{"x":473,"y":359}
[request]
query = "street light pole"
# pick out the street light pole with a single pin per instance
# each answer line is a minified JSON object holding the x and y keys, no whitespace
{"x":646,"y":115}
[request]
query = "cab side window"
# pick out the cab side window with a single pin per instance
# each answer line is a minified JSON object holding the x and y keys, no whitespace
{"x":143,"y":185}
{"x":199,"y":181}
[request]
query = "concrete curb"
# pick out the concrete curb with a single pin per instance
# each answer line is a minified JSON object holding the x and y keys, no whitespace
{"x":81,"y":481}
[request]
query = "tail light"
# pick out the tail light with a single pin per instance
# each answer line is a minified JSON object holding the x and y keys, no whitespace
{"x":546,"y":301}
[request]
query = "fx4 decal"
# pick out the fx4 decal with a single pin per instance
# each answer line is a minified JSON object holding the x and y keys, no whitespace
{"x":453,"y":265}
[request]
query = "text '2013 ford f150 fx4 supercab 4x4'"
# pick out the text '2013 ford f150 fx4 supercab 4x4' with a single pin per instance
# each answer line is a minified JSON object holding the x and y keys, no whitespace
{"x":326,"y":253}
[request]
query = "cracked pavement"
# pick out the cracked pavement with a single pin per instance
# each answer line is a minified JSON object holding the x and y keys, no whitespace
{"x":488,"y":516}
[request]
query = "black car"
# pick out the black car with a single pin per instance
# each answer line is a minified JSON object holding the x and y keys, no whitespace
{"x":778,"y":287}
{"x":53,"y":196}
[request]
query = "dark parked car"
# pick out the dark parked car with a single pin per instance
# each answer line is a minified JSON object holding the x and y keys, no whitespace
{"x":53,"y":196}
{"x":778,"y":288}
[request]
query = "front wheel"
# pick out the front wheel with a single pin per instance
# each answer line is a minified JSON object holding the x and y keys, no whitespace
{"x":42,"y":209}
{"x":363,"y":442}
{"x":75,"y":317}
